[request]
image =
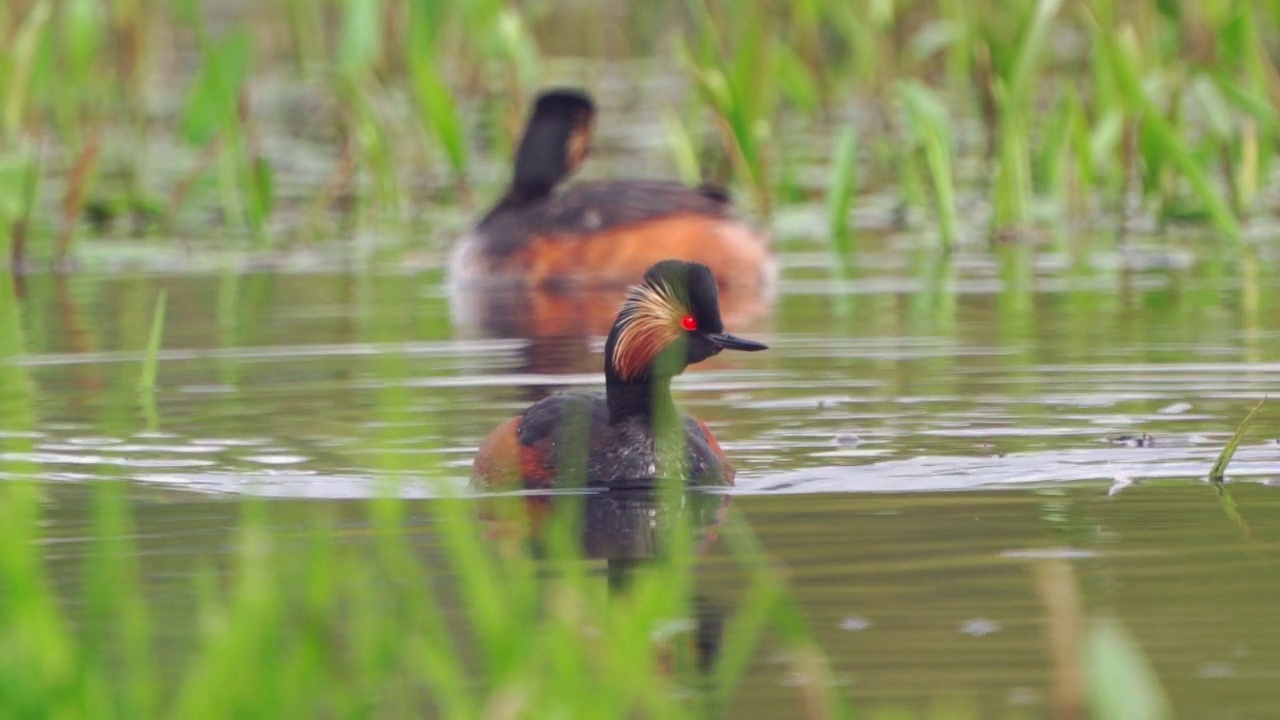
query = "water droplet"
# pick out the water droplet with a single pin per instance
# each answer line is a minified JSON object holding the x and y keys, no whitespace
{"x":1024,"y":696}
{"x":1063,"y":553}
{"x":854,"y":623}
{"x":1120,"y":481}
{"x":1212,"y":670}
{"x":978,"y":627}
{"x":276,"y":459}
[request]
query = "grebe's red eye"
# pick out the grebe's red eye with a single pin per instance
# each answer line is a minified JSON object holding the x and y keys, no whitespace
{"x":689,"y":323}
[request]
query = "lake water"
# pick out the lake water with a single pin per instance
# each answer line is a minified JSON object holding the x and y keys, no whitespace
{"x":920,"y":438}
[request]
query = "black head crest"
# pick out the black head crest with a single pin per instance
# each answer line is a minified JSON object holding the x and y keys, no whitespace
{"x":557,"y":137}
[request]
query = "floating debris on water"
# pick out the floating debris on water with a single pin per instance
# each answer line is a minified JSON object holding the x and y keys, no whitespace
{"x":1024,"y":696}
{"x":1062,"y":553}
{"x":991,"y":449}
{"x":979,"y":627}
{"x":276,"y":459}
{"x":1143,"y":441}
{"x":854,"y":623}
{"x":1177,"y":408}
{"x":1120,"y":480}
{"x":1217,"y":670}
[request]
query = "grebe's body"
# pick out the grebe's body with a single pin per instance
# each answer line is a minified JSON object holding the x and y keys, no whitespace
{"x":616,"y":453}
{"x":601,"y":234}
{"x":634,"y":433}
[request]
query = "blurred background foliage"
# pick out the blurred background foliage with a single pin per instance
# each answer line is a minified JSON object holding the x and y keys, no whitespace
{"x":994,"y":120}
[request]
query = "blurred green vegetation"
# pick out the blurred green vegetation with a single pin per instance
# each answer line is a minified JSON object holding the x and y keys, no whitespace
{"x":196,"y":117}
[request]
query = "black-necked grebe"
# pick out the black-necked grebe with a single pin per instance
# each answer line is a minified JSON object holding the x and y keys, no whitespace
{"x":599,"y":234}
{"x":634,"y":433}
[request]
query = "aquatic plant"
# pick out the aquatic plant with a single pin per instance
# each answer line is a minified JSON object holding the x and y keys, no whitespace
{"x":929,"y":131}
{"x":215,"y":116}
{"x":333,"y":622}
{"x":1219,"y":471}
{"x":19,"y":187}
{"x":840,"y":191}
{"x":1089,"y":111}
{"x":1187,"y":126}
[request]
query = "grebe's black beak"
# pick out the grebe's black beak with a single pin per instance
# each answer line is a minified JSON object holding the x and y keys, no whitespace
{"x":726,"y":341}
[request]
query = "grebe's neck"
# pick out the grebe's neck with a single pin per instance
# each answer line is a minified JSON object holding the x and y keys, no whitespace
{"x":528,"y":186}
{"x":648,"y":401}
{"x":643,"y":395}
{"x":521,"y":194}
{"x":541,"y":162}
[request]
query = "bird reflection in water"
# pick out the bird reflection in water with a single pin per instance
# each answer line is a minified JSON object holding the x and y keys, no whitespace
{"x":627,"y":529}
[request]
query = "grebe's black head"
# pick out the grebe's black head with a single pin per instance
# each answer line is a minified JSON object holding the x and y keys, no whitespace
{"x":669,"y":321}
{"x":557,"y":137}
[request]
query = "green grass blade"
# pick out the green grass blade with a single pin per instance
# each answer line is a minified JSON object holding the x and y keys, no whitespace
{"x":1219,"y":471}
{"x":840,"y":191}
{"x":929,"y":124}
{"x":1122,"y":52}
{"x":439,"y":108}
{"x":682,"y":149}
{"x":23,"y":55}
{"x":1032,"y":46}
{"x":360,"y":41}
{"x":147,"y":380}
{"x":1122,"y":683}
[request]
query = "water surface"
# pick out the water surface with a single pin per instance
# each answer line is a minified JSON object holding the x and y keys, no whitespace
{"x":920,"y":435}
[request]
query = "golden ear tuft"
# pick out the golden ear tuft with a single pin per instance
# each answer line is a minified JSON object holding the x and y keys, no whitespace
{"x":651,"y":319}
